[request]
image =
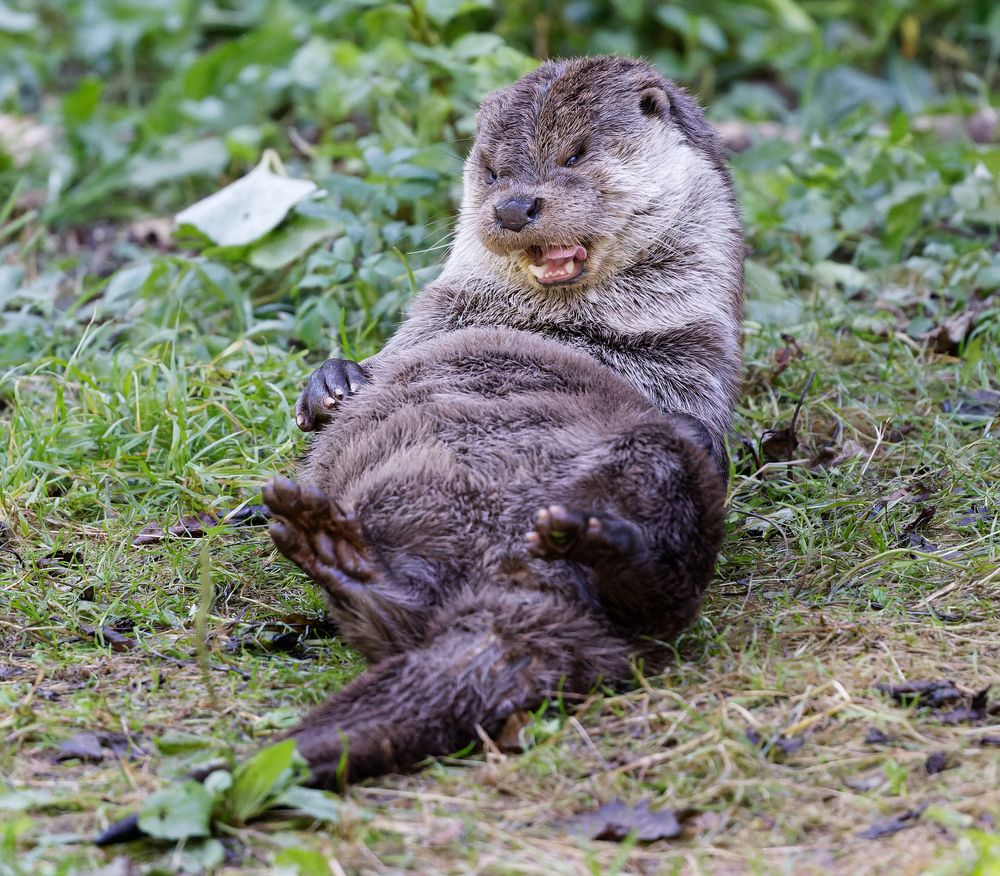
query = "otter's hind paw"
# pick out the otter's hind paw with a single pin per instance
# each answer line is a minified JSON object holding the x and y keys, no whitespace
{"x":567,"y":533}
{"x":313,"y":531}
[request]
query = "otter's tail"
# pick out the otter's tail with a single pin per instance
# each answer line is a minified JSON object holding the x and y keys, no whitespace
{"x":488,"y":655}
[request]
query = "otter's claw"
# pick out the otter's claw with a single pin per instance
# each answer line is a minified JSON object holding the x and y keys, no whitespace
{"x":328,"y":385}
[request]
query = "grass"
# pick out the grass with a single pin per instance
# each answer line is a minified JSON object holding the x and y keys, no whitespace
{"x":818,"y":599}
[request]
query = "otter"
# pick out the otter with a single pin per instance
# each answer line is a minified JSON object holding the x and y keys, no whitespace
{"x":524,"y":488}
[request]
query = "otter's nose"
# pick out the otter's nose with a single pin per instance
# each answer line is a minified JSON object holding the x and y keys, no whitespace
{"x":518,"y":212}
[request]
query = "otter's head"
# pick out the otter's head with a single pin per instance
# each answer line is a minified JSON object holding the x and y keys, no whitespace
{"x":580,"y":167}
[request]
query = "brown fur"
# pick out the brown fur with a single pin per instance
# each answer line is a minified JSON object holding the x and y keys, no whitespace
{"x":580,"y":415}
{"x":437,"y":468}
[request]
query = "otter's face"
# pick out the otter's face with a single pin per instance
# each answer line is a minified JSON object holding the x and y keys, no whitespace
{"x":578,"y":169}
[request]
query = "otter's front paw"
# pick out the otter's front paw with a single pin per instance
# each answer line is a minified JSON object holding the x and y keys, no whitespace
{"x":328,"y":386}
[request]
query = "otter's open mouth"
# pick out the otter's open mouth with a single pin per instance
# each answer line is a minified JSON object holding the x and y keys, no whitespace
{"x":556,"y":264}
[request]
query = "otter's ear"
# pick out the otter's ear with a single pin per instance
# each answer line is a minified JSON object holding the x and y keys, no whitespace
{"x":684,"y":112}
{"x":654,"y":103}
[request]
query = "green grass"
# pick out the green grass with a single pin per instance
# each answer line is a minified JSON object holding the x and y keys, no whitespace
{"x":144,"y":378}
{"x":816,"y":602}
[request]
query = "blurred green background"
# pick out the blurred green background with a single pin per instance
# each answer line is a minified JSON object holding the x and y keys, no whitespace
{"x":116,"y":111}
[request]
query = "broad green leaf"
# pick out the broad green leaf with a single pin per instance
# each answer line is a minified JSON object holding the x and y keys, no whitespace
{"x":199,"y":158}
{"x":177,"y":812}
{"x":249,"y":208}
{"x":218,"y":782}
{"x":257,"y":780}
{"x":321,"y":805}
{"x":838,"y":273}
{"x":793,"y":16}
{"x":988,"y":278}
{"x":124,"y":286}
{"x":199,"y":856}
{"x":24,"y":800}
{"x":14,"y":21}
{"x":180,"y":742}
{"x":443,"y":11}
{"x":82,"y":102}
{"x":768,"y":302}
{"x":292,"y":242}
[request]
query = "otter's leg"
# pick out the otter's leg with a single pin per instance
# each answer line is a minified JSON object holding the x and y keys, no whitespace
{"x":644,"y":514}
{"x":618,"y":551}
{"x":378,"y":614}
{"x":493,"y":652}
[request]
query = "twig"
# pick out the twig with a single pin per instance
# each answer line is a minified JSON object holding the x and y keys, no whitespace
{"x":795,"y":415}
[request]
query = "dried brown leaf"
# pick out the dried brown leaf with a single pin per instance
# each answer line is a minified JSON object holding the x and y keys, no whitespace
{"x":510,"y":738}
{"x":93,"y":747}
{"x":151,"y":533}
{"x":109,"y":636}
{"x":892,"y":824}
{"x":939,"y":761}
{"x":981,"y":404}
{"x":925,"y":692}
{"x":875,"y":736}
{"x":616,"y":820}
{"x":949,"y":335}
{"x":193,"y":525}
{"x":778,"y":445}
{"x":865,"y":783}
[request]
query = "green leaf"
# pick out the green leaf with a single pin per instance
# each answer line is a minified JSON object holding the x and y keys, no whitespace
{"x":178,"y":812}
{"x":21,"y":801}
{"x":292,"y":242}
{"x":257,"y":780}
{"x":301,"y":862}
{"x":200,"y":856}
{"x":443,"y":11}
{"x":200,"y":158}
{"x":838,"y":274}
{"x":80,"y":104}
{"x":321,"y":805}
{"x":180,"y":742}
{"x":249,"y":208}
{"x":988,"y":278}
{"x":14,"y":21}
{"x":124,"y":286}
{"x":768,"y":302}
{"x":218,"y":782}
{"x":793,"y":16}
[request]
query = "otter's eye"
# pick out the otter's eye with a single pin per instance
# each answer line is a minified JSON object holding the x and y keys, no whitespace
{"x":573,"y":159}
{"x":491,"y":175}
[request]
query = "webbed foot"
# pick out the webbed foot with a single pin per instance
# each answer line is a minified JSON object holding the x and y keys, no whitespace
{"x":561,"y":533}
{"x":312,"y":530}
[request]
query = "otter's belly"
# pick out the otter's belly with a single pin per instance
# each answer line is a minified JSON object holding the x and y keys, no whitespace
{"x":455,"y":447}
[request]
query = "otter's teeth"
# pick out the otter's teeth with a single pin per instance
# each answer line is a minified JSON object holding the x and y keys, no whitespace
{"x":550,"y":272}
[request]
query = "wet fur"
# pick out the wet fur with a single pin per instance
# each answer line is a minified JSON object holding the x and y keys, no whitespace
{"x":607,"y":401}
